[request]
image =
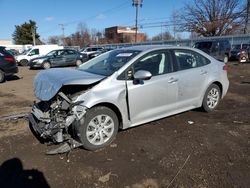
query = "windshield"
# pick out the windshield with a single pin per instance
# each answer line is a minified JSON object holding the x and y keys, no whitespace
{"x":236,"y":47}
{"x":109,"y":62}
{"x":25,"y":52}
{"x":203,"y":45}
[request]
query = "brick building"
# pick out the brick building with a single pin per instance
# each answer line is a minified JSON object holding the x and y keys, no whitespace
{"x":119,"y":34}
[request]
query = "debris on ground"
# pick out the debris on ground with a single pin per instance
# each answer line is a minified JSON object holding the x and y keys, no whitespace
{"x":105,"y":178}
{"x":14,"y":116}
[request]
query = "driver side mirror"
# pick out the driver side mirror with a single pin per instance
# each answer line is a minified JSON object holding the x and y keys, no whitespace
{"x":142,"y":75}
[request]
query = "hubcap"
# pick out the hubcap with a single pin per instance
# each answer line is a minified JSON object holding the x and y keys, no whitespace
{"x":100,"y":129}
{"x":46,"y":65}
{"x":213,"y":98}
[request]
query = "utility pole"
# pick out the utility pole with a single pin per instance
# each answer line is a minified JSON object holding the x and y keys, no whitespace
{"x":33,"y":33}
{"x":136,"y":3}
{"x":62,"y":27}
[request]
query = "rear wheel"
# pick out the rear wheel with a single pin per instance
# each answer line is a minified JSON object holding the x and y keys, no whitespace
{"x":46,"y":65}
{"x":24,"y":62}
{"x":98,"y":128}
{"x":2,"y":76}
{"x":211,"y":98}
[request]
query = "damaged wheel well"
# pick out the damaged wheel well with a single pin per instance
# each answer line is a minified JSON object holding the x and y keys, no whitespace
{"x":115,"y":109}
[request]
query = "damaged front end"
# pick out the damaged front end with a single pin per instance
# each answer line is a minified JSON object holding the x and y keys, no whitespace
{"x":51,"y":120}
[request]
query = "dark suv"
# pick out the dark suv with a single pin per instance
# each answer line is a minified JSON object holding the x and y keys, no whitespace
{"x":219,"y":49}
{"x":8,"y":64}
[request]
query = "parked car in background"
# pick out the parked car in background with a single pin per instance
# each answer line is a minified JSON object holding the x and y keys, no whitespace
{"x":58,"y":58}
{"x":13,"y":52}
{"x":35,"y":51}
{"x":8,"y":64}
{"x":124,"y":88}
{"x":240,"y":52}
{"x":91,"y":50}
{"x":219,"y":49}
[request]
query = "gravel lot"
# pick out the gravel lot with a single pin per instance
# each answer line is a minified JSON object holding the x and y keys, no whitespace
{"x":192,"y":149}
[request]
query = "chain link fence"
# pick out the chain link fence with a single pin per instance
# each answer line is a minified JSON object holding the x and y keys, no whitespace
{"x":234,"y":39}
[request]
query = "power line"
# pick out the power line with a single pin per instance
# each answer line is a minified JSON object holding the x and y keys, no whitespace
{"x":114,"y":9}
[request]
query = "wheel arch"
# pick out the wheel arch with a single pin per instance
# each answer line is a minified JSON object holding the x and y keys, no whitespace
{"x":114,"y":108}
{"x":219,"y":85}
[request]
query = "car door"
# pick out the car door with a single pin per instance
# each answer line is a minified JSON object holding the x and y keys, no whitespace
{"x":70,"y":57}
{"x":154,"y":98}
{"x":58,"y":58}
{"x":34,"y":53}
{"x":192,"y":74}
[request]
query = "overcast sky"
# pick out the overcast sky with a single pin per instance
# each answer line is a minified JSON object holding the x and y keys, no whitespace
{"x":98,"y":14}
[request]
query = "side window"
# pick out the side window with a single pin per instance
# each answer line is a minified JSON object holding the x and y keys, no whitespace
{"x":187,"y":59}
{"x":156,"y":63}
{"x":34,"y":52}
{"x":62,"y":52}
{"x":71,"y":52}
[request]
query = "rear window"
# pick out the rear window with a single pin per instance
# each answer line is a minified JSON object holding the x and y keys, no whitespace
{"x":4,"y":52}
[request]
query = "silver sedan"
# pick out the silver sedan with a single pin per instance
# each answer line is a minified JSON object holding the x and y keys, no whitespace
{"x":124,"y":88}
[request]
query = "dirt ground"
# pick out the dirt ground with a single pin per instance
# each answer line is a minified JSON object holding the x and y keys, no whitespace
{"x":192,"y":149}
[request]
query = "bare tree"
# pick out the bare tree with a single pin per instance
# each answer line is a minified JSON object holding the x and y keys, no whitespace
{"x":246,"y":26}
{"x":54,"y":40}
{"x":163,"y":36}
{"x":212,"y":17}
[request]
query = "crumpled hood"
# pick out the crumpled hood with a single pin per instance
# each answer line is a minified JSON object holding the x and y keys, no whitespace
{"x":48,"y":82}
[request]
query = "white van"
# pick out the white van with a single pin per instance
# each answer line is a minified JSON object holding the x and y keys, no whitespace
{"x":35,"y":51}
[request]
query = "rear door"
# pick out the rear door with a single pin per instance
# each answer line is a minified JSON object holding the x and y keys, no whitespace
{"x":70,"y":56}
{"x":154,"y":98}
{"x":193,"y":70}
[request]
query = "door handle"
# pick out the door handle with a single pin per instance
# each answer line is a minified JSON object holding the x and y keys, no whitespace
{"x":203,"y":72}
{"x":172,"y":80}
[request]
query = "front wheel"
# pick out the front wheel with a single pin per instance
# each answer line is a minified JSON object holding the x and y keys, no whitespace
{"x":98,"y":128}
{"x":211,"y":98}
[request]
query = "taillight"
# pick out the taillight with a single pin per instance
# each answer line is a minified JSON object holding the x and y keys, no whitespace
{"x":10,"y":59}
{"x":225,"y":68}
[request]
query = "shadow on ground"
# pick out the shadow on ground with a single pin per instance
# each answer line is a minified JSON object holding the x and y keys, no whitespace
{"x":13,"y":175}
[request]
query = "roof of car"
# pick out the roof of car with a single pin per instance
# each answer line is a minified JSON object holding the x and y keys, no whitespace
{"x":152,"y":47}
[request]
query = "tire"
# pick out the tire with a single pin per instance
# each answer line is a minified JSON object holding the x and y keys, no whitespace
{"x":211,"y":98}
{"x":46,"y":65}
{"x":2,"y":76}
{"x":226,"y":59}
{"x":94,"y":135}
{"x":24,"y":62}
{"x":78,"y":62}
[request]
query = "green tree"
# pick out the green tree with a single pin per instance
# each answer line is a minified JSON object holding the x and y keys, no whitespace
{"x":23,"y":33}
